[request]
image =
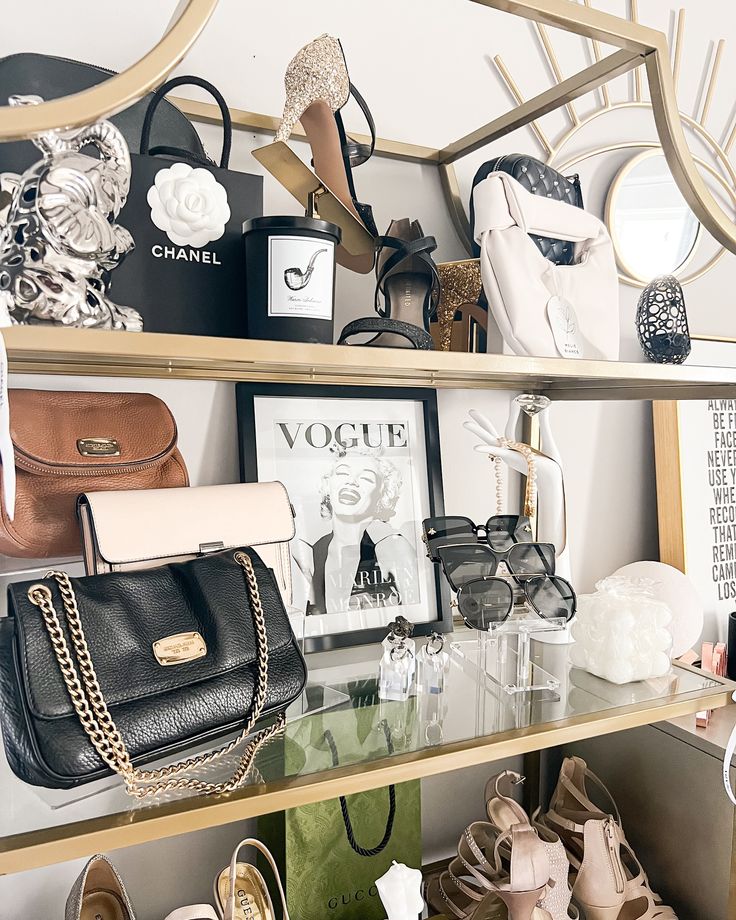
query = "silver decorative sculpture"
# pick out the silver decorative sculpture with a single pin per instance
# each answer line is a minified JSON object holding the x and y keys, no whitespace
{"x":58,"y":236}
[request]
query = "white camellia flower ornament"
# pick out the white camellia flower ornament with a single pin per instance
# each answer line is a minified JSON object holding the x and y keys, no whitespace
{"x":189,"y":205}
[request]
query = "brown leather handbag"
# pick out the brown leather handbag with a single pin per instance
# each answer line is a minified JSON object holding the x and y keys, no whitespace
{"x":67,"y":443}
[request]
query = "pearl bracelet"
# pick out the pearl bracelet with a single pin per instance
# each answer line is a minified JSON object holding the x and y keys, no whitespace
{"x":530,"y":495}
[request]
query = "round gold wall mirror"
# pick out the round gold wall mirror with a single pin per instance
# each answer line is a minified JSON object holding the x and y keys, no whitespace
{"x":105,"y":99}
{"x":654,"y":232}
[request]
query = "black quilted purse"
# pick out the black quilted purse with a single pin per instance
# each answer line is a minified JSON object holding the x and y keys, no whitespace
{"x":100,"y":674}
{"x":540,"y":179}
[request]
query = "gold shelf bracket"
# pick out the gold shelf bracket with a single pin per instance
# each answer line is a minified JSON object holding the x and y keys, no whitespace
{"x":590,"y":78}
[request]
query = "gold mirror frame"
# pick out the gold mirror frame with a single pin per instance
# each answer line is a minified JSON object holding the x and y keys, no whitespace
{"x":627,"y":273}
{"x":117,"y":93}
{"x":730,"y":190}
{"x":638,"y":46}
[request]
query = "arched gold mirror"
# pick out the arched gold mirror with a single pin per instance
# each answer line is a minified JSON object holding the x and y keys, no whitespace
{"x":121,"y":90}
{"x":654,"y":232}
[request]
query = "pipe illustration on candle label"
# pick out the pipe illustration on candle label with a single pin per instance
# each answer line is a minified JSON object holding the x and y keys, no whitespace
{"x":296,"y":279}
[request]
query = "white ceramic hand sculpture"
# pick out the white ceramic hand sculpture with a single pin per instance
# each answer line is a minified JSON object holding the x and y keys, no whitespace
{"x":551,"y":514}
{"x":400,"y":890}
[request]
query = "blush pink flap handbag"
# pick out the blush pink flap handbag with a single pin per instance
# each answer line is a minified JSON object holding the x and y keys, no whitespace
{"x":128,"y":530}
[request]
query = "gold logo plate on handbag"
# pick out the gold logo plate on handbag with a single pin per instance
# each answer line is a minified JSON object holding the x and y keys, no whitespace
{"x":180,"y":648}
{"x":98,"y":447}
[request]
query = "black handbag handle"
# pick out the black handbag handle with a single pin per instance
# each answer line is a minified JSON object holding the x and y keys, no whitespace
{"x":227,"y":123}
{"x":354,"y":845}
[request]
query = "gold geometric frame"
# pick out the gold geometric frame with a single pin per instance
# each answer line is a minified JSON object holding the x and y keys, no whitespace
{"x":726,"y":178}
{"x":636,"y":45}
{"x":119,"y":91}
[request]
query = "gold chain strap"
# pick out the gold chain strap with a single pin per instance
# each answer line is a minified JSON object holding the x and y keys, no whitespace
{"x":91,"y":708}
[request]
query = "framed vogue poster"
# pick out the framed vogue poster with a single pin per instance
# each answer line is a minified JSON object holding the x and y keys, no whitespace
{"x":362,"y":468}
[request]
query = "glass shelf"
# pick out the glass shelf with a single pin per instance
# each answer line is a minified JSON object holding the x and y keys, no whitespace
{"x":13,"y":568}
{"x":474,"y":721}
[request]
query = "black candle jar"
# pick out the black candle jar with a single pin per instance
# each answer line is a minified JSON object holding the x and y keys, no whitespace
{"x":290,"y":278}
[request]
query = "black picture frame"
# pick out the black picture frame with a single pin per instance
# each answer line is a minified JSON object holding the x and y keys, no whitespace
{"x":246,"y":396}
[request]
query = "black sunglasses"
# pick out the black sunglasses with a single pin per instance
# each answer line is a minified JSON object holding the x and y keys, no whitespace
{"x":463,"y":562}
{"x":488,"y":601}
{"x":501,"y":531}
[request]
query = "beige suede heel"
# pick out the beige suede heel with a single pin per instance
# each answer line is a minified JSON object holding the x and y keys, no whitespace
{"x":503,"y":812}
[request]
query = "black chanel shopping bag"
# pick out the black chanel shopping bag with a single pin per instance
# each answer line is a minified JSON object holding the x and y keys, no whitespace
{"x":187,"y":272}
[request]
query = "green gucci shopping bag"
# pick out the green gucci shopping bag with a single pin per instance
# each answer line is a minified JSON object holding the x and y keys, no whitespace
{"x":332,"y":852}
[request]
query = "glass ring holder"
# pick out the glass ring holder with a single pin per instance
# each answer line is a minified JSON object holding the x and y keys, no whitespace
{"x":496,"y":653}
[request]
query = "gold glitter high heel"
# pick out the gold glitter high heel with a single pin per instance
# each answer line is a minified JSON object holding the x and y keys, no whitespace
{"x":317,"y":87}
{"x":460,"y":291}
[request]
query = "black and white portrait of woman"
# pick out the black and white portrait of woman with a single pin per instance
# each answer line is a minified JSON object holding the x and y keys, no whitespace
{"x":362,"y":469}
{"x":363,"y":560}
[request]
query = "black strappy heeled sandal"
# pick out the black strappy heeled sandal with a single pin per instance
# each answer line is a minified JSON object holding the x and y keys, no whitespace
{"x":355,"y":154}
{"x":408,"y":281}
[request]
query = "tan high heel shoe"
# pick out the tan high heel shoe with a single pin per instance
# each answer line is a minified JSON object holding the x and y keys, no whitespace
{"x":609,"y":881}
{"x":241,"y":892}
{"x":526,"y":885}
{"x":482,"y":882}
{"x":503,"y":813}
{"x":317,"y":87}
{"x":99,"y":894}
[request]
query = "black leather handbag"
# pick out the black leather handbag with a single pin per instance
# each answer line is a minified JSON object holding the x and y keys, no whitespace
{"x":540,"y":179}
{"x":50,"y":77}
{"x":100,"y":674}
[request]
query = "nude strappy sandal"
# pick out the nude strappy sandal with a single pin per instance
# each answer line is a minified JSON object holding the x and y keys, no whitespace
{"x":482,"y":881}
{"x":455,"y":896}
{"x":503,"y":813}
{"x":246,"y":897}
{"x":609,"y":883}
{"x":522,"y":892}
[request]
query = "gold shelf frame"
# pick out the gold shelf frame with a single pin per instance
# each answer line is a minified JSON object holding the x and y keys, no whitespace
{"x":119,"y":91}
{"x":43,"y":847}
{"x":44,"y":350}
{"x":637,"y":46}
{"x":54,"y":351}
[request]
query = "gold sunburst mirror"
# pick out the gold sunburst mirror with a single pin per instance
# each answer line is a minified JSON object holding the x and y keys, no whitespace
{"x":652,"y":228}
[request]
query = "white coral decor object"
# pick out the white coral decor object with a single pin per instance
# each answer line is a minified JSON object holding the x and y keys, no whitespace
{"x":622,"y":632}
{"x":189,"y":205}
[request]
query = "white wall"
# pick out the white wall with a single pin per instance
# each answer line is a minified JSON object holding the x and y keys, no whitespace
{"x":424,"y":67}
